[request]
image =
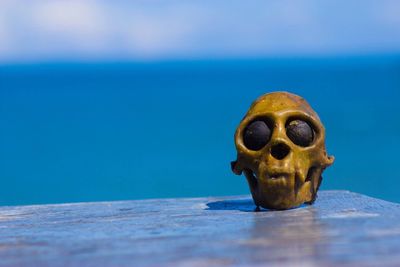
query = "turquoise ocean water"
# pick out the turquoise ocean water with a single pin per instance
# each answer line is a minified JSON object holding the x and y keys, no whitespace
{"x":90,"y":132}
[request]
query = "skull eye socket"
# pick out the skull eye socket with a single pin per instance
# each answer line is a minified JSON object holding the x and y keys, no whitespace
{"x":300,"y":132}
{"x":256,"y":135}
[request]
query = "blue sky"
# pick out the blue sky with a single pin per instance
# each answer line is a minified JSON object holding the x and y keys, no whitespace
{"x":96,"y":30}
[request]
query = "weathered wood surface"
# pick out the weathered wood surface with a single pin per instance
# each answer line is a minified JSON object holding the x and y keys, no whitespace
{"x":342,"y":228}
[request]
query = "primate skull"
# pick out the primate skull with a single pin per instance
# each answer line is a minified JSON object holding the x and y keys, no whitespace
{"x":281,"y":150}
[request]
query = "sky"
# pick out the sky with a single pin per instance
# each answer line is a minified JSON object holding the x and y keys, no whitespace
{"x":97,"y":30}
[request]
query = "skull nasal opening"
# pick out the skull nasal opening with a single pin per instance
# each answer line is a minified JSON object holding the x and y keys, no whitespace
{"x":280,"y":151}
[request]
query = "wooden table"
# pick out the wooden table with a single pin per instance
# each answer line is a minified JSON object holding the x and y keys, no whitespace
{"x":341,"y":228}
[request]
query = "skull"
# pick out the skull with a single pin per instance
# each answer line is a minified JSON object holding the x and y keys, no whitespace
{"x":281,"y":150}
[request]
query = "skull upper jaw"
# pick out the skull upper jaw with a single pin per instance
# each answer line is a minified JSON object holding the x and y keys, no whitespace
{"x":278,"y":193}
{"x":297,"y":186}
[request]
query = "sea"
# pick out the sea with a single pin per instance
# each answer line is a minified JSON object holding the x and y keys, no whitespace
{"x":102,"y":131}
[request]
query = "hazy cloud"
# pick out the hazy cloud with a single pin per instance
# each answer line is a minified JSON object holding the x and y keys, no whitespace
{"x":142,"y":30}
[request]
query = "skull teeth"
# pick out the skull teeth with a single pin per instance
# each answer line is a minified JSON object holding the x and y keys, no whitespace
{"x":278,"y":180}
{"x":278,"y":176}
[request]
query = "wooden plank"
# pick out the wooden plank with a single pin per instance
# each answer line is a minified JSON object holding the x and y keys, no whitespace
{"x":341,"y":228}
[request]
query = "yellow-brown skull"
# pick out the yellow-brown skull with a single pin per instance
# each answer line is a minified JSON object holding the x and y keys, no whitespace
{"x":281,"y":150}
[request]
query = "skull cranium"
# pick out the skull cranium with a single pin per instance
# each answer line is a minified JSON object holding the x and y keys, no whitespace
{"x":281,"y":150}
